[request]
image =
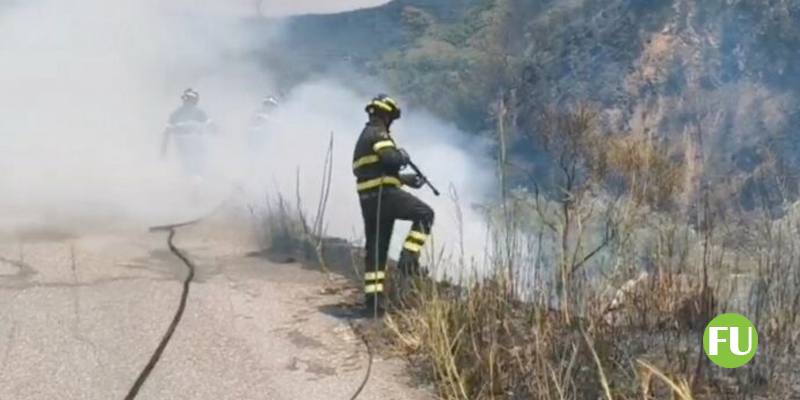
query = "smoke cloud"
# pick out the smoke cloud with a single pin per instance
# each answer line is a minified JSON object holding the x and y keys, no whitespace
{"x":318,"y":110}
{"x":86,"y":87}
{"x":280,"y":8}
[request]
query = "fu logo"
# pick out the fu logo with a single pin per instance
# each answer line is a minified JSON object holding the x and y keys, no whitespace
{"x":730,"y":340}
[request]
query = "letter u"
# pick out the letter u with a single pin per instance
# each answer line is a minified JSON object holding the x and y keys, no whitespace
{"x":735,"y":345}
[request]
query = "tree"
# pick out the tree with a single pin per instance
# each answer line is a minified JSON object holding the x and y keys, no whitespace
{"x":573,"y":140}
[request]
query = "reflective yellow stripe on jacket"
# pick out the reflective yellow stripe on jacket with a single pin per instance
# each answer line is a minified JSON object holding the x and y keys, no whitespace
{"x":366,"y":160}
{"x":373,"y":183}
{"x":382,"y":145}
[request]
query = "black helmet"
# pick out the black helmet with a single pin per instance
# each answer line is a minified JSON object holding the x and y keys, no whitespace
{"x":190,"y":96}
{"x":383,"y":105}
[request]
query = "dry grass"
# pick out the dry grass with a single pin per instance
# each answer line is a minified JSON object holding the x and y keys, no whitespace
{"x":482,"y":345}
{"x":646,"y":169}
{"x":641,"y":340}
{"x":595,"y":324}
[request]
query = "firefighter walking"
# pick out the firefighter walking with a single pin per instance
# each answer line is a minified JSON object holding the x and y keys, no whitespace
{"x":188,"y":128}
{"x":377,"y":165}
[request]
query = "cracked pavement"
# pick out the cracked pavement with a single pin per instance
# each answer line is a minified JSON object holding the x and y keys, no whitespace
{"x":82,"y":315}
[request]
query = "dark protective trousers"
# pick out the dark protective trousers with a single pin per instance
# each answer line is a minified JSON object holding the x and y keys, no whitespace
{"x":380,"y":209}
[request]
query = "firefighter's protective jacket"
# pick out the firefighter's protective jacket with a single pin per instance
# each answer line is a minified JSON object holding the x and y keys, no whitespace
{"x":188,"y":119}
{"x":376,"y":160}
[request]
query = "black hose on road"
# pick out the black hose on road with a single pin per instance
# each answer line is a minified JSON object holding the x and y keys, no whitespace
{"x":369,"y":364}
{"x":145,"y":373}
{"x":154,"y":358}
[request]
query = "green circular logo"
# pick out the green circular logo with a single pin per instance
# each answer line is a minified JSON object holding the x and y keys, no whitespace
{"x":730,"y":340}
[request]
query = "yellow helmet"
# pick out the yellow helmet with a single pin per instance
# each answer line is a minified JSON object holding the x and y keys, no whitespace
{"x":385,"y":106}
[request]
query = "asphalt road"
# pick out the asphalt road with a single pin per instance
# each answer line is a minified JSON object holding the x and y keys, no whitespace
{"x":82,"y":315}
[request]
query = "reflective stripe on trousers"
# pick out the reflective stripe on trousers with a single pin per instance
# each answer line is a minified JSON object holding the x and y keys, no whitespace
{"x":373,"y":282}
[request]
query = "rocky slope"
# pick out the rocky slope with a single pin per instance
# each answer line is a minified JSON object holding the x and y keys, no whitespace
{"x":716,"y":80}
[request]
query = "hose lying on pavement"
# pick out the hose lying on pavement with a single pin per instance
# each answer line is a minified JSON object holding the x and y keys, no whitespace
{"x":145,"y":373}
{"x":176,"y":319}
{"x":369,"y":364}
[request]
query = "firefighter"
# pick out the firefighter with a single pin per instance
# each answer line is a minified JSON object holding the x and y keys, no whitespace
{"x":263,"y":116}
{"x":187,"y":127}
{"x":377,"y":165}
{"x":262,"y":126}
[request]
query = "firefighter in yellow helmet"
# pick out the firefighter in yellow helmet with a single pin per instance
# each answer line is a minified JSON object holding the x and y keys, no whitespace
{"x":377,"y":165}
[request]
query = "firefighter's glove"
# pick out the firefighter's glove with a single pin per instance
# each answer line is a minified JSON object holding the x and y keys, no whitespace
{"x":404,"y":158}
{"x":412,"y":180}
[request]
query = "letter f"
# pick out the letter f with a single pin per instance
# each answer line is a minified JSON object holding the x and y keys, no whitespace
{"x":714,"y":340}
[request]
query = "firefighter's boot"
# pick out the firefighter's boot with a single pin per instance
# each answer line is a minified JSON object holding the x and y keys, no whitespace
{"x":409,"y":257}
{"x":375,"y":305}
{"x":408,"y":264}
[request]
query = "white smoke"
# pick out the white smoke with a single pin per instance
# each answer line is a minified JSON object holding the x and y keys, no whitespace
{"x":86,"y":87}
{"x":451,"y":160}
{"x":279,"y":8}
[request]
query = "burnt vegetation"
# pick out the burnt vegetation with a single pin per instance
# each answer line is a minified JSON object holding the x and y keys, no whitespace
{"x":647,"y":152}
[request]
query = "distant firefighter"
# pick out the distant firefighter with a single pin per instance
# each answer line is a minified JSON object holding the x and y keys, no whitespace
{"x":262,"y":128}
{"x":377,"y":162}
{"x":263,"y":115}
{"x":187,"y":128}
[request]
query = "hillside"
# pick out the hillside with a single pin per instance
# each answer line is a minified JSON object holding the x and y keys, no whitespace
{"x":716,"y":80}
